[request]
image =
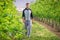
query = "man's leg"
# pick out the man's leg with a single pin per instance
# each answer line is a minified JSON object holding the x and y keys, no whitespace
{"x":29,"y":29}
{"x":26,"y":28}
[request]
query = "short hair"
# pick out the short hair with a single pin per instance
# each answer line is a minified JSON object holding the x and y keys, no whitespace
{"x":27,"y":3}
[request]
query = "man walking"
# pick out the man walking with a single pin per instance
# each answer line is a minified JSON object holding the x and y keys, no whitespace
{"x":27,"y":19}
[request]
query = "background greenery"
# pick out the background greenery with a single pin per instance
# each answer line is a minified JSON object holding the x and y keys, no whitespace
{"x":11,"y":25}
{"x":47,"y":11}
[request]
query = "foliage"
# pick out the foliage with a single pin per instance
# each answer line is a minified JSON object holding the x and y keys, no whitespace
{"x":10,"y":26}
{"x":49,"y":9}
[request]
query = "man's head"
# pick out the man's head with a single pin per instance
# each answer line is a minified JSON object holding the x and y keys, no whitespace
{"x":27,"y":5}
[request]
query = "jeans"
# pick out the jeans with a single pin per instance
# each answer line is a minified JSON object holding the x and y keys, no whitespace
{"x":28,"y":25}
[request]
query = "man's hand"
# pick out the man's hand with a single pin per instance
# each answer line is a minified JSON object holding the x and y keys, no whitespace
{"x":32,"y":20}
{"x":23,"y":20}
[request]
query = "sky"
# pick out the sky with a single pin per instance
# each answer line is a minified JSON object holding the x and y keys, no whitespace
{"x":20,"y":4}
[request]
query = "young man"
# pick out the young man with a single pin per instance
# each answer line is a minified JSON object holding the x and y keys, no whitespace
{"x":27,"y":19}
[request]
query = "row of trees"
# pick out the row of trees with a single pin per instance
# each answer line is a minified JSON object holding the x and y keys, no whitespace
{"x":47,"y":11}
{"x":10,"y":26}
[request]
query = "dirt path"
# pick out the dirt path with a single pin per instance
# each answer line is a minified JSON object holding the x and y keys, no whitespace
{"x":40,"y":32}
{"x":49,"y":28}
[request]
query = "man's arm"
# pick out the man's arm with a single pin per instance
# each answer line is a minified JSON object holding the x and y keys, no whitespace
{"x":23,"y":15}
{"x":31,"y":16}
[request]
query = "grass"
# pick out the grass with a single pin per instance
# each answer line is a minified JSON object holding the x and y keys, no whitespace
{"x":39,"y":32}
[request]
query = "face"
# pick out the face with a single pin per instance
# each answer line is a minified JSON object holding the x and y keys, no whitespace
{"x":27,"y":5}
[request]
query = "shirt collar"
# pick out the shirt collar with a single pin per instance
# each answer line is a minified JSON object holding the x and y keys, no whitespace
{"x":27,"y":8}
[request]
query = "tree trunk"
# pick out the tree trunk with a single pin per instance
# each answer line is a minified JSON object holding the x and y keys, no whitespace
{"x":52,"y":24}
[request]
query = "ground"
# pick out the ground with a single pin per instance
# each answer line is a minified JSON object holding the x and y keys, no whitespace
{"x":39,"y":32}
